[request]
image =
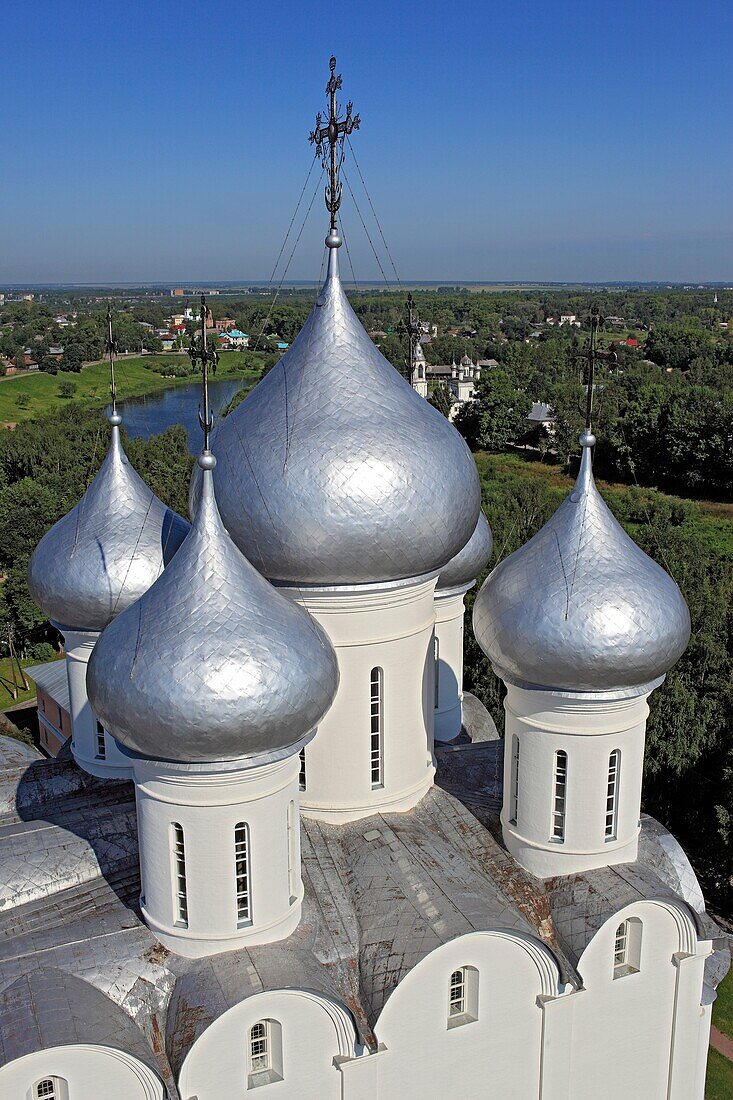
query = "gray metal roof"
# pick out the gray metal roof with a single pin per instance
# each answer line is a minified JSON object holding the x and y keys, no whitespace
{"x":101,"y":556}
{"x":334,"y":471}
{"x":17,"y":754}
{"x":471,"y":560}
{"x":52,"y":678}
{"x":212,"y":663}
{"x":581,"y":607}
{"x":380,"y":894}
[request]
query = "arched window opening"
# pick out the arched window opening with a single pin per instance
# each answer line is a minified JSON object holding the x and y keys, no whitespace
{"x":463,"y":996}
{"x":614,"y":769}
{"x":179,"y":869}
{"x":627,"y":948}
{"x":560,"y":797}
{"x":241,"y":869}
{"x":265,"y":1062}
{"x":436,"y":661}
{"x":292,"y":852}
{"x":377,"y":719}
{"x":50,"y":1088}
{"x":301,"y":773}
{"x":101,"y":747}
{"x":514,"y":800}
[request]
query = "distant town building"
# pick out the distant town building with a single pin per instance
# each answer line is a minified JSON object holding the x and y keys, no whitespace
{"x":177,"y":292}
{"x":52,"y":702}
{"x":234,"y":339}
{"x":569,"y":319}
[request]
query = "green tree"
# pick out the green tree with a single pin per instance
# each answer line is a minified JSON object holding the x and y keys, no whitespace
{"x":497,"y":416}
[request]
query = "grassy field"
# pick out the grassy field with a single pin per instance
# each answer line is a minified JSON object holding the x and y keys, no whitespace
{"x":134,"y":379}
{"x":723,"y":1007}
{"x":713,"y":520}
{"x":720,"y":1077}
{"x":6,"y":684}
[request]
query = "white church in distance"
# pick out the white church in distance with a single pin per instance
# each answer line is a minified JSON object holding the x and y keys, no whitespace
{"x":278,"y":860}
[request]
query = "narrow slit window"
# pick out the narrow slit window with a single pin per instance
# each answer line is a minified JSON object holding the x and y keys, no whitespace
{"x":241,"y":866}
{"x":179,"y":861}
{"x":436,"y":660}
{"x":101,"y":747}
{"x":302,"y":773}
{"x":292,"y":851}
{"x":377,"y":720}
{"x":457,"y":1006}
{"x":560,"y":796}
{"x":514,"y":802}
{"x":614,"y":768}
{"x":260,"y":1047}
{"x":627,"y":948}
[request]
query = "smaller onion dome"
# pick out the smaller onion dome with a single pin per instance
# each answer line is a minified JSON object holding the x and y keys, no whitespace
{"x":468,"y":562}
{"x":212,"y":663}
{"x":100,"y":557}
{"x":581,"y":607}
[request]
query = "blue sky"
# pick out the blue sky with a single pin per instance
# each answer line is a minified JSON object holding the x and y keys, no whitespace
{"x":556,"y":140}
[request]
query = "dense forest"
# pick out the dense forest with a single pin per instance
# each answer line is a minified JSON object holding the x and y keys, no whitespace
{"x":664,"y":420}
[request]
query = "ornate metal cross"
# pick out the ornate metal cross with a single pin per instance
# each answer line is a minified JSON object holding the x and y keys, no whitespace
{"x":413,"y":329}
{"x":206,"y":356}
{"x":328,"y":138}
{"x":112,"y":348}
{"x":591,"y":354}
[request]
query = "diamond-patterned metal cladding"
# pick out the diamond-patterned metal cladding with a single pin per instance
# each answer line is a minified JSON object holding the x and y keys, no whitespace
{"x":212,"y":663}
{"x":468,"y":562}
{"x":334,"y":471}
{"x":107,"y":550}
{"x":581,"y":607}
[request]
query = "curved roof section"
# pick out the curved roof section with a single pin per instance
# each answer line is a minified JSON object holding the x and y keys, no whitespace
{"x":468,"y":562}
{"x":212,"y":663}
{"x":334,"y":471}
{"x":581,"y":607}
{"x":100,"y":557}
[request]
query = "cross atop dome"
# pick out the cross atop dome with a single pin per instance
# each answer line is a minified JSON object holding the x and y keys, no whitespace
{"x":328,"y":138}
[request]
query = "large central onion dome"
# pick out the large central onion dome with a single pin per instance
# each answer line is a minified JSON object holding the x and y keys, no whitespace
{"x":581,"y":607}
{"x":212,"y":663}
{"x":334,"y":471}
{"x":468,"y":562}
{"x":107,"y":550}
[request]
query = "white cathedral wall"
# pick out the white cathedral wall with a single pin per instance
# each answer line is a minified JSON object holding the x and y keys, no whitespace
{"x":208,"y":801}
{"x":500,"y":1050}
{"x":637,"y":1036}
{"x":373,"y":626}
{"x":81,"y":1070}
{"x":449,"y":613}
{"x":588,"y":728}
{"x":314,"y":1030}
{"x":78,"y":645}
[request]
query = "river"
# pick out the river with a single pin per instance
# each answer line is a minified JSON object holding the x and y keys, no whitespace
{"x":146,"y":416}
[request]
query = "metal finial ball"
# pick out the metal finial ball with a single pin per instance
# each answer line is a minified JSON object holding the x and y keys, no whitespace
{"x":207,"y":461}
{"x":587,"y":439}
{"x":333,"y":240}
{"x":115,"y":419}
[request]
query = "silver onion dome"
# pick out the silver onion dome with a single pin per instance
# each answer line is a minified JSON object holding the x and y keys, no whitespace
{"x":212,"y":663}
{"x":581,"y":607}
{"x":468,"y":562}
{"x":100,"y":557}
{"x":333,"y":470}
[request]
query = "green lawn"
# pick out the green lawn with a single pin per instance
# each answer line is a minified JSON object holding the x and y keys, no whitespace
{"x":723,"y":1006}
{"x":713,"y":520}
{"x":720,"y":1077}
{"x":134,"y":379}
{"x":6,"y":684}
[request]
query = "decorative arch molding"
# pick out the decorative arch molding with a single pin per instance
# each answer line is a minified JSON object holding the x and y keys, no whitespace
{"x":544,"y":962}
{"x":263,"y":1008}
{"x":681,"y":914}
{"x":152,"y":1088}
